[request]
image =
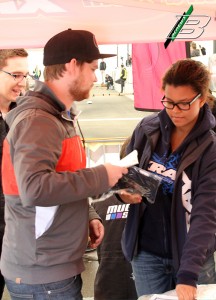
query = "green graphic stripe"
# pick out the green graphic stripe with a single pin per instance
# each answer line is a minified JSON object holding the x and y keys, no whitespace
{"x":181,"y":24}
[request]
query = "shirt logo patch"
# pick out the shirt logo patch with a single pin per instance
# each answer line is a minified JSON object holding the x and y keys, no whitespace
{"x":117,"y":212}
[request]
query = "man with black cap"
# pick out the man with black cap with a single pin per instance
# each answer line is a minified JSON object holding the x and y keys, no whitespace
{"x":46,"y":184}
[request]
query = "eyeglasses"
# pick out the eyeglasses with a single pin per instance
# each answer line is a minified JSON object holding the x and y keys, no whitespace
{"x":16,"y":77}
{"x":181,"y":105}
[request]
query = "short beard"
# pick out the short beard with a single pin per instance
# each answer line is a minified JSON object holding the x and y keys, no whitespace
{"x":76,"y":92}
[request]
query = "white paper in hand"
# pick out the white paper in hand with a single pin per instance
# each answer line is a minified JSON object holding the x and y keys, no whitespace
{"x":130,"y":160}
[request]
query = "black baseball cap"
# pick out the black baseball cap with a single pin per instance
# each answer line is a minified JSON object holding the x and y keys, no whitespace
{"x":68,"y":44}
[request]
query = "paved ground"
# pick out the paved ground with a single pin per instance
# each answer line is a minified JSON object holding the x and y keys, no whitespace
{"x":109,"y":115}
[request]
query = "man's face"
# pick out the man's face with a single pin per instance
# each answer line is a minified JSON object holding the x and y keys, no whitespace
{"x":84,"y":81}
{"x":10,"y":88}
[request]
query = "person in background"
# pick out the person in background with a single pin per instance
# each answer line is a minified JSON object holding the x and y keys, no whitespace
{"x":129,"y":61}
{"x":202,"y":49}
{"x":114,"y":278}
{"x":123,"y":77}
{"x":36,"y":73}
{"x":102,"y":69}
{"x":194,"y":50}
{"x":109,"y":81}
{"x":45,"y":182}
{"x":13,"y":71}
{"x":171,"y":243}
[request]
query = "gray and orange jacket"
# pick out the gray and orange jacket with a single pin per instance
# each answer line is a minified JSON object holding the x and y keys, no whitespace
{"x":3,"y":133}
{"x":46,"y":186}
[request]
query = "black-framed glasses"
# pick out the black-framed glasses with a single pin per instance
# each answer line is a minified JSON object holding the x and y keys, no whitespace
{"x":16,"y":77}
{"x":181,"y":105}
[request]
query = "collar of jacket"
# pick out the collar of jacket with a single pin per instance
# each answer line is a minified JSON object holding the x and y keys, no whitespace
{"x":43,"y":89}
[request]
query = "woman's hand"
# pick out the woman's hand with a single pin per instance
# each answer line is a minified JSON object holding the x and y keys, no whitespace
{"x":130,"y":198}
{"x":186,"y":292}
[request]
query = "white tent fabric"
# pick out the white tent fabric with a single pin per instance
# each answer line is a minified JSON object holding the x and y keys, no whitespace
{"x":30,"y":23}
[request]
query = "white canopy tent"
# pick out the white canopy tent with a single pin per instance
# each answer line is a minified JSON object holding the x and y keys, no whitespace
{"x":30,"y":23}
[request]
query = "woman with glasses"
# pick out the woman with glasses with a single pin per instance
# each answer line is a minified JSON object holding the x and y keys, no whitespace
{"x":171,"y":243}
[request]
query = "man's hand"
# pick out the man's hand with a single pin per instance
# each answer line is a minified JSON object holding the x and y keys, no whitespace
{"x":114,"y":173}
{"x":96,"y":233}
{"x":186,"y":292}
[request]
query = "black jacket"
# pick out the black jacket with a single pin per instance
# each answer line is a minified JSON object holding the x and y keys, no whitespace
{"x":114,"y":279}
{"x":189,"y":248}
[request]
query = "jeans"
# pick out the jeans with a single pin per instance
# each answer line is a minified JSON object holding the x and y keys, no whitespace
{"x":155,"y":275}
{"x":122,"y":85}
{"x":68,"y":289}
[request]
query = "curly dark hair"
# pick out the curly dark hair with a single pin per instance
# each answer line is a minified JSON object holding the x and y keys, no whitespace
{"x":188,"y":72}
